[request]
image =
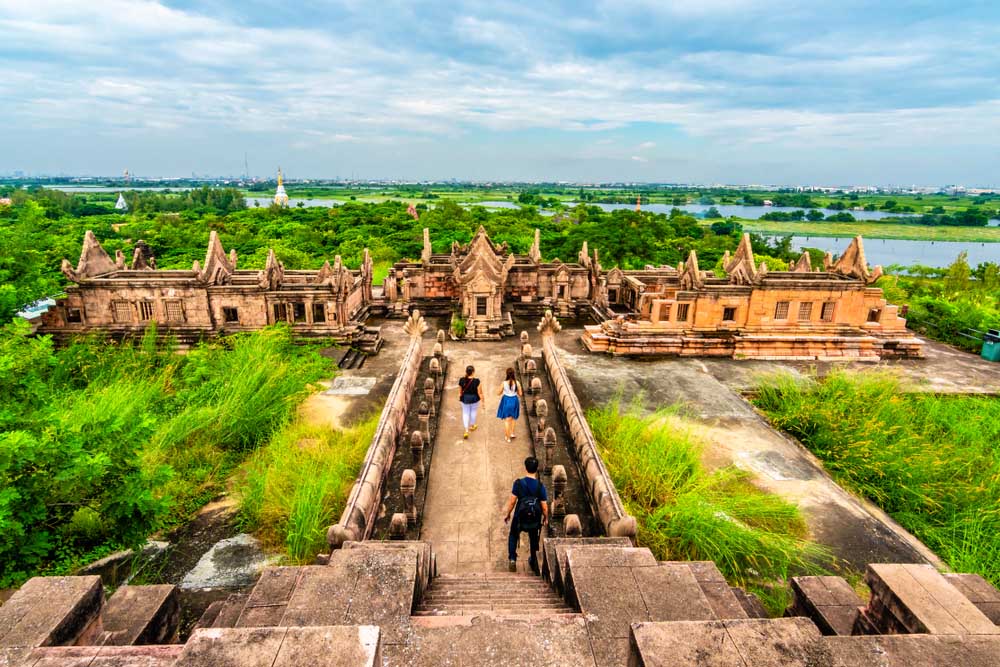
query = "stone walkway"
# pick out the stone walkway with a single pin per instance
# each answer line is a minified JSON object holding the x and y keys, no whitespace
{"x":470,"y":480}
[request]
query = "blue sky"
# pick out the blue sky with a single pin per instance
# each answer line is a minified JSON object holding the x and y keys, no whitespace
{"x":731,"y":91}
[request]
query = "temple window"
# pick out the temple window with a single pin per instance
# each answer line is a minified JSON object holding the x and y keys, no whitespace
{"x":145,"y":309}
{"x":175,"y":311}
{"x":874,"y":315}
{"x":665,"y":312}
{"x":612,"y":296}
{"x":230,"y":314}
{"x":805,"y":311}
{"x":728,"y":314}
{"x":319,"y":312}
{"x":827,"y":313}
{"x":121,"y":311}
{"x":298,"y":311}
{"x":682,"y":312}
{"x":561,"y":293}
{"x":781,"y":310}
{"x":74,"y":316}
{"x":280,"y":312}
{"x":480,"y":305}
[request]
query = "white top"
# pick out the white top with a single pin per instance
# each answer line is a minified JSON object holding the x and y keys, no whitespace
{"x":507,"y":391}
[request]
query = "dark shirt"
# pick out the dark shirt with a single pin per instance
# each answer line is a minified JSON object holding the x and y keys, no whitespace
{"x":470,"y":390}
{"x":530,"y":487}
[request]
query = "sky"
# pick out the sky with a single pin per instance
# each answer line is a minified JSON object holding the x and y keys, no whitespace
{"x":701,"y":91}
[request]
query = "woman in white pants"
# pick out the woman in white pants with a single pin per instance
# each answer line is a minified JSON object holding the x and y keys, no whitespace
{"x":471,"y":395}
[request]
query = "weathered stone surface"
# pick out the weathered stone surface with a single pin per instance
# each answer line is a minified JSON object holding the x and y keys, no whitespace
{"x":102,"y":656}
{"x":671,"y":593}
{"x":142,"y":615}
{"x":553,"y":563}
{"x":913,"y":651}
{"x":231,"y":563}
{"x":979,"y":592}
{"x":830,"y":602}
{"x":720,"y":595}
{"x":340,"y":646}
{"x":922,"y":601}
{"x":52,"y":611}
{"x":736,"y":643}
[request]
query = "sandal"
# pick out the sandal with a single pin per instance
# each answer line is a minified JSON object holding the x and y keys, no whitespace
{"x":466,"y":436}
{"x":473,"y":427}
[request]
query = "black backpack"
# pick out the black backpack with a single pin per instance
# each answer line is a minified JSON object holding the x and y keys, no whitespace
{"x":529,"y":508}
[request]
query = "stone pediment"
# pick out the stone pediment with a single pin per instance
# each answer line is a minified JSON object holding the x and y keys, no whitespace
{"x":218,"y":267}
{"x":94,"y":260}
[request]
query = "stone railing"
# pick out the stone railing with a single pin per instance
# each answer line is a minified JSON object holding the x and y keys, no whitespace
{"x":603,"y":495}
{"x":361,"y":510}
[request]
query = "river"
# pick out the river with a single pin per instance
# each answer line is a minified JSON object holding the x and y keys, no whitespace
{"x":906,"y":253}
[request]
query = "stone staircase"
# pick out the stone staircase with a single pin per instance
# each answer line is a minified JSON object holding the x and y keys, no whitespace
{"x":491,"y":593}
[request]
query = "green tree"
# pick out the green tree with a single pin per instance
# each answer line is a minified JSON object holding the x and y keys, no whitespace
{"x":957,"y":278}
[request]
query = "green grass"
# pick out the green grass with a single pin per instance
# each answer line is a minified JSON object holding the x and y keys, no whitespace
{"x":293,"y":489}
{"x":876,"y":230}
{"x":684,"y":512}
{"x":930,"y":461}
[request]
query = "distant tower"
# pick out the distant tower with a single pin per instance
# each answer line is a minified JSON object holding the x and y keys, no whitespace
{"x":128,"y":176}
{"x":638,"y":203}
{"x":121,"y":204}
{"x":280,"y":196}
{"x":412,"y":211}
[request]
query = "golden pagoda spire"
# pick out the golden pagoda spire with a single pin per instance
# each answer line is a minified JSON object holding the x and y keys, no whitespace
{"x":280,"y":196}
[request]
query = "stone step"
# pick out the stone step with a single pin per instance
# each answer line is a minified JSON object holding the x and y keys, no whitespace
{"x":498,"y":611}
{"x":460,"y":604}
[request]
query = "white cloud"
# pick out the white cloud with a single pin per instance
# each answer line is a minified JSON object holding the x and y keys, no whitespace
{"x":638,"y":158}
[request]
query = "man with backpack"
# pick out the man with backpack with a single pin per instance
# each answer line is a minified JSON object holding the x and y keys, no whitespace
{"x":529,"y":504}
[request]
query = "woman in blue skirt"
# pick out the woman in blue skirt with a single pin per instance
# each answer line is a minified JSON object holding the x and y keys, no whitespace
{"x":510,"y":404}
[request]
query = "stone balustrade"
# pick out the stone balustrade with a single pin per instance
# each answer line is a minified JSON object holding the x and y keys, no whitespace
{"x":604,"y":498}
{"x":365,"y":497}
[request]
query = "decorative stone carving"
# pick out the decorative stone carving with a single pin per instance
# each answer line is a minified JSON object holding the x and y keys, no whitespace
{"x":408,"y":488}
{"x":429,"y":395}
{"x":424,"y":419}
{"x":218,"y":270}
{"x":417,"y":453}
{"x":558,"y":490}
{"x":691,"y":276}
{"x":853,"y":264}
{"x":274,"y":272}
{"x":530,"y":368}
{"x":438,"y":351}
{"x":549,"y":440}
{"x":571,"y":526}
{"x":524,"y":337}
{"x":440,"y":336}
{"x":535,"y":252}
{"x":415,"y":325}
{"x":541,"y":408}
{"x":741,"y":268}
{"x":536,"y":386}
{"x":526,"y":351}
{"x":549,"y":325}
{"x":425,"y":253}
{"x":397,"y":526}
{"x":94,"y":260}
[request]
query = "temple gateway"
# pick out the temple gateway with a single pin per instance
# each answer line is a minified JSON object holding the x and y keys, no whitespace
{"x":752,"y":311}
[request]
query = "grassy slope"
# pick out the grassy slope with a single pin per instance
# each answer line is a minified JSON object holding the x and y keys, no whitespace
{"x":929,"y":461}
{"x":685,"y":513}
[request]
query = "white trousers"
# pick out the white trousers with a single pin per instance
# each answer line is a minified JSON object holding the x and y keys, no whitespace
{"x":469,"y":414}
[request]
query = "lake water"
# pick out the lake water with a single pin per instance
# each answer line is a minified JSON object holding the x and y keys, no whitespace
{"x":895,"y":251}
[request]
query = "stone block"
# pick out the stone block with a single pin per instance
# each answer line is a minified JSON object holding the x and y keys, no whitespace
{"x":979,"y":592}
{"x":52,"y":611}
{"x":554,"y":554}
{"x":266,"y":603}
{"x":913,"y":651}
{"x":609,"y":599}
{"x":736,"y":643}
{"x":671,"y":593}
{"x":720,"y":595}
{"x":922,"y":601}
{"x":321,"y":646}
{"x":102,"y":656}
{"x":830,"y":602}
{"x":142,"y":615}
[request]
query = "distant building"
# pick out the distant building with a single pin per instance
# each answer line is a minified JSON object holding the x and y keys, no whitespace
{"x":280,"y":196}
{"x":121,"y":204}
{"x":768,"y":202}
{"x":5,"y":201}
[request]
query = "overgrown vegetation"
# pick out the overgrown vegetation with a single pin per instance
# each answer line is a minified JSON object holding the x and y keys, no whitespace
{"x":102,"y":444}
{"x":929,"y":461}
{"x":684,"y":512}
{"x":296,"y":486}
{"x":944,"y":304}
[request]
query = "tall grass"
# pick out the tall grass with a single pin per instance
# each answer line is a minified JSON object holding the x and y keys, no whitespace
{"x":296,"y":486}
{"x":931,"y":462}
{"x":757,"y":540}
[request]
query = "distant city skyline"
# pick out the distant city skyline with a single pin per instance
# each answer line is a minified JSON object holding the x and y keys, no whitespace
{"x":720,"y":91}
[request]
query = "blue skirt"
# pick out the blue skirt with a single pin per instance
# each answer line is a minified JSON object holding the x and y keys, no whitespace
{"x":510,"y":406}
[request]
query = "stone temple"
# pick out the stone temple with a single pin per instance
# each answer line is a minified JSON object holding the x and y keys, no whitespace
{"x":750,"y":312}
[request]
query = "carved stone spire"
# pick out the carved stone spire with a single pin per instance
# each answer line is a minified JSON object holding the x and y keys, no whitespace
{"x":120,"y":259}
{"x":218,"y":268}
{"x":741,"y":267}
{"x":425,"y":254}
{"x":803,"y":265}
{"x":584,"y":257}
{"x":691,"y":277}
{"x":535,"y":252}
{"x":94,"y":260}
{"x":852,"y":263}
{"x":273,"y":273}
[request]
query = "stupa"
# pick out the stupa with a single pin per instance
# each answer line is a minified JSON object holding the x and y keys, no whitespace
{"x":121,"y":204}
{"x":280,"y":196}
